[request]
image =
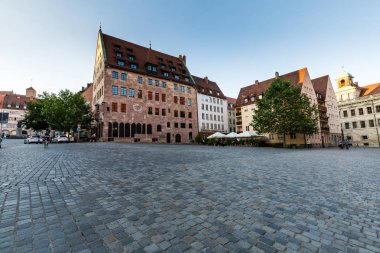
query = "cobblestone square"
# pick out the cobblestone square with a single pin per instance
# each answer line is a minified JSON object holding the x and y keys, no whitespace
{"x":113,"y":197}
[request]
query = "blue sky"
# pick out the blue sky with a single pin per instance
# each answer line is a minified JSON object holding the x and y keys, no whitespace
{"x":232,"y":42}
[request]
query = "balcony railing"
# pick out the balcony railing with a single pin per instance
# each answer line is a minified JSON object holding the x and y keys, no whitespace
{"x":322,"y":108}
{"x":239,"y":123}
{"x":238,"y":114}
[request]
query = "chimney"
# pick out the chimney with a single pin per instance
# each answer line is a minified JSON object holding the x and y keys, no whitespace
{"x":206,"y":79}
{"x":82,"y":88}
{"x":184,"y":59}
{"x":276,"y":75}
{"x":256,"y":82}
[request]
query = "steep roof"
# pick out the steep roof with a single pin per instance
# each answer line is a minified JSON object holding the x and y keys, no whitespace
{"x":14,"y":101}
{"x":231,"y":100}
{"x":208,"y":87}
{"x":142,"y":57}
{"x":320,"y":85}
{"x":371,"y":89}
{"x":296,"y":78}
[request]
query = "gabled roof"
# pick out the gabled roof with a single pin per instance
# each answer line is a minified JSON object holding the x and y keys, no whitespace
{"x":296,"y":78}
{"x":320,"y":85}
{"x":142,"y":57}
{"x":371,"y":89}
{"x":14,"y":100}
{"x":208,"y":87}
{"x":231,"y":100}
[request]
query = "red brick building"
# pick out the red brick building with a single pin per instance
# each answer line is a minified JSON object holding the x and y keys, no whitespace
{"x":140,"y":94}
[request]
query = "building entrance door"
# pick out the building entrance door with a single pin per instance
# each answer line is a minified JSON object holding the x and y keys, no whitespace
{"x":168,"y":138}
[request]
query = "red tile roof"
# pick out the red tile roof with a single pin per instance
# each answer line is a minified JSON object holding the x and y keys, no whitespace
{"x":142,"y":57}
{"x":320,"y":85}
{"x":204,"y":86}
{"x":371,"y":89}
{"x":231,"y":100}
{"x":296,"y":78}
{"x":13,"y":100}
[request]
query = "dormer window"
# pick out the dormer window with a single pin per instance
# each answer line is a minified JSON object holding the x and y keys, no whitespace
{"x":131,"y":58}
{"x":133,"y":66}
{"x":166,"y":74}
{"x":210,"y":91}
{"x":176,"y":77}
{"x":260,"y":96}
{"x":252,"y":99}
{"x":17,"y":106}
{"x":129,"y":49}
{"x":9,"y":105}
{"x":119,"y":54}
{"x":171,"y":62}
{"x":117,"y":47}
{"x":121,"y":63}
{"x":187,"y":79}
{"x":218,"y":93}
{"x":246,"y":100}
{"x":173,"y":69}
{"x":163,"y":66}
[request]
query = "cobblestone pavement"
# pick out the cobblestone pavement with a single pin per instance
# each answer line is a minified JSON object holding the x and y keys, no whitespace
{"x":110,"y":197}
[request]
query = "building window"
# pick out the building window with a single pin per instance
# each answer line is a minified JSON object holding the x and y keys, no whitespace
{"x":182,"y":88}
{"x":173,"y":69}
{"x":293,"y":136}
{"x":176,"y":77}
{"x":190,"y":125}
{"x":246,"y":100}
{"x":139,"y":79}
{"x":157,"y":96}
{"x":203,"y":116}
{"x":168,"y":124}
{"x":189,"y":115}
{"x":158,"y":128}
{"x":123,"y":91}
{"x":114,"y":107}
{"x":163,"y":112}
{"x":347,"y":125}
{"x":150,"y":110}
{"x":131,"y":58}
{"x":166,"y":74}
{"x":182,"y":100}
{"x":156,"y":82}
{"x":121,"y":63}
{"x":362,"y":124}
{"x":377,"y":108}
{"x":183,"y":125}
{"x":115,"y":90}
{"x":163,"y":97}
{"x":175,"y":87}
{"x":163,"y":66}
{"x":139,"y":93}
{"x":123,"y":108}
{"x":369,"y":110}
{"x":182,"y":114}
{"x":371,"y":123}
{"x":175,"y":125}
{"x":133,"y":66}
{"x":115,"y":74}
{"x":163,"y":84}
{"x":345,"y":114}
{"x":176,"y":113}
{"x":150,"y":81}
{"x":187,"y":79}
{"x":353,"y":112}
{"x":175,"y":99}
{"x":188,"y":90}
{"x":189,"y":101}
{"x":131,"y":93}
{"x":354,"y":124}
{"x":203,"y":106}
{"x":123,"y":76}
{"x":119,"y":54}
{"x":150,"y":95}
{"x":156,"y":111}
{"x":365,"y":137}
{"x":361,"y":112}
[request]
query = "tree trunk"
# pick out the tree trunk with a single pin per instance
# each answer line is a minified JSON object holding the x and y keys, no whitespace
{"x":284,"y":142}
{"x":304,"y":138}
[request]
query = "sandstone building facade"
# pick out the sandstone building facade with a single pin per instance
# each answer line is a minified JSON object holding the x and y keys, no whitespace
{"x":231,"y":114}
{"x":212,"y":107}
{"x":140,"y":94}
{"x":359,"y":109}
{"x":246,"y":105}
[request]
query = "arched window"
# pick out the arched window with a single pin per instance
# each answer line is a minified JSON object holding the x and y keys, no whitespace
{"x":121,"y":130}
{"x":177,"y":138}
{"x":115,"y":130}
{"x":158,"y":128}
{"x":149,"y":129}
{"x":109,"y":129}
{"x":143,"y":129}
{"x":138,"y":128}
{"x":133,"y":130}
{"x":127,"y":130}
{"x":190,"y":136}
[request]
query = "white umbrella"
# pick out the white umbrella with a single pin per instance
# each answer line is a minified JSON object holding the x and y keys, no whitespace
{"x":216,"y":135}
{"x":245,"y":134}
{"x":232,"y":135}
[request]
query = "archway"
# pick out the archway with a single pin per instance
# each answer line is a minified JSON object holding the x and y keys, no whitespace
{"x":121,"y":130}
{"x":149,"y":129}
{"x":177,"y":138}
{"x":133,"y":130}
{"x":138,"y":128}
{"x":158,"y":128}
{"x":115,"y":130}
{"x":127,"y":130}
{"x":190,"y":136}
{"x":168,"y":138}
{"x":109,"y":129}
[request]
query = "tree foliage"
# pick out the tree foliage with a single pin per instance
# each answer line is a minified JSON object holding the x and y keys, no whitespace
{"x":62,"y":111}
{"x":285,"y":110}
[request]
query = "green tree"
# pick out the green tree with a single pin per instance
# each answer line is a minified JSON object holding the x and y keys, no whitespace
{"x":285,"y":110}
{"x":33,"y":117}
{"x":60,"y":112}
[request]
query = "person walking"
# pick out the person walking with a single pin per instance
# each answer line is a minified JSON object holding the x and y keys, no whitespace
{"x":308,"y":143}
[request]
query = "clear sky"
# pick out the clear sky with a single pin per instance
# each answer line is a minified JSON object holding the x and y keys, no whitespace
{"x":234,"y":43}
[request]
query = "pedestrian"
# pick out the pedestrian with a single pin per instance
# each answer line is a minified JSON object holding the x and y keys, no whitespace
{"x":93,"y":137}
{"x":308,"y":143}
